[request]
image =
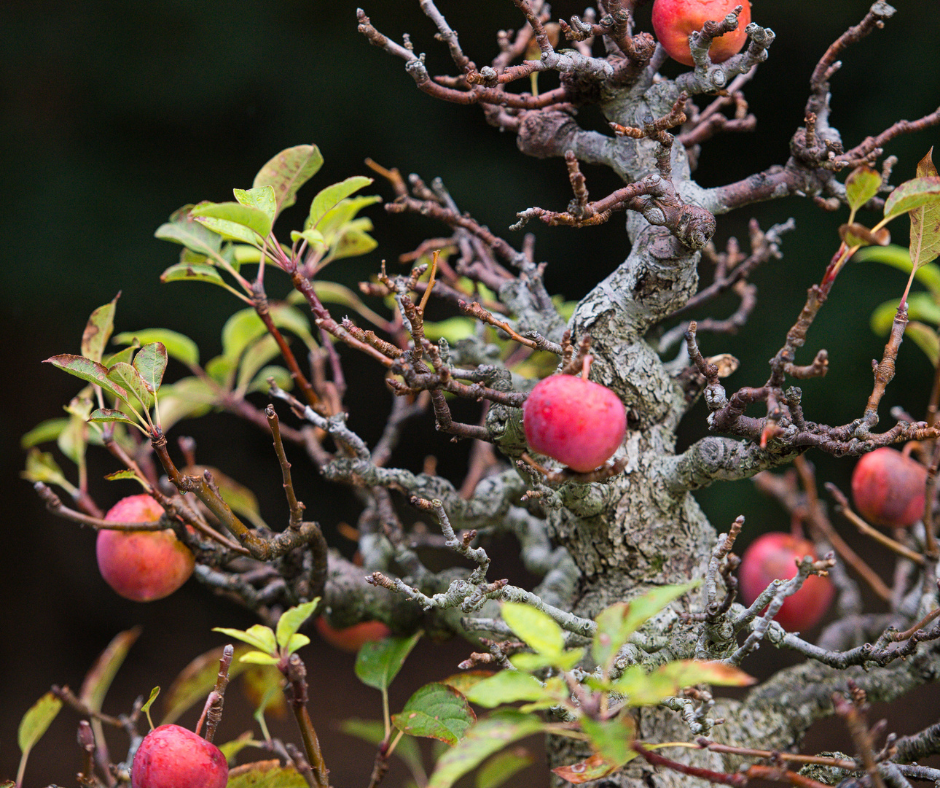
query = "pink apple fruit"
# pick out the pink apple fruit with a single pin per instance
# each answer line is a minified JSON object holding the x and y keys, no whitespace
{"x":773,"y":556}
{"x":888,"y":488}
{"x":575,"y":421}
{"x":173,"y":757}
{"x":675,"y":20}
{"x":142,"y":565}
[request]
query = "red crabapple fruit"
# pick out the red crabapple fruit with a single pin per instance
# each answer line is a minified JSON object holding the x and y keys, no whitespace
{"x":773,"y":556}
{"x":889,"y":488}
{"x":173,"y":757}
{"x":675,"y":20}
{"x":575,"y":421}
{"x":142,"y":565}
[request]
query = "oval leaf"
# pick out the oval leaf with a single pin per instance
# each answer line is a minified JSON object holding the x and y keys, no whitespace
{"x":861,"y":185}
{"x":129,"y":378}
{"x":234,"y":213}
{"x":150,"y":362}
{"x":259,"y":636}
{"x":265,"y":774}
{"x":912,"y":194}
{"x":436,"y":711}
{"x":98,"y":330}
{"x":378,"y":663}
{"x":36,"y":721}
{"x":89,"y":370}
{"x":261,"y":198}
{"x":178,"y":346}
{"x":184,"y":229}
{"x":291,"y":621}
{"x":192,"y":272}
{"x":288,"y":171}
{"x":507,"y":686}
{"x":328,"y":198}
{"x":535,"y":627}
{"x":483,"y":740}
{"x":104,"y":415}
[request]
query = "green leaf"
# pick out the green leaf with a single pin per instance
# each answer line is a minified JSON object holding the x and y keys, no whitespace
{"x":254,"y":358}
{"x":281,"y":377}
{"x":178,"y":346}
{"x":312,"y":237}
{"x":98,"y":330}
{"x":118,"y":476}
{"x":535,"y":627}
{"x":291,"y":620}
{"x":500,"y":768}
{"x":926,"y":339}
{"x":611,"y":738}
{"x":42,"y":467}
{"x":912,"y":194}
{"x":259,"y":636}
{"x":288,"y":171}
{"x":259,"y":658}
{"x":88,"y":370}
{"x":861,"y":185}
{"x":453,"y":329}
{"x":105,"y":415}
{"x":45,"y":431}
{"x":507,"y":686}
{"x":242,"y":328}
{"x":154,"y":694}
{"x":900,"y":258}
{"x":197,"y":680}
{"x":462,"y":682}
{"x":126,"y":355}
{"x":265,"y":774}
{"x":567,"y":660}
{"x":187,"y":398}
{"x":229,"y":213}
{"x":483,"y":740}
{"x":184,"y":229}
{"x":150,"y":363}
{"x":378,"y":663}
{"x":618,"y":622}
{"x":261,"y":198}
{"x":296,"y":643}
{"x":436,"y":711}
{"x":646,"y":689}
{"x":345,"y":210}
{"x":98,"y":679}
{"x":192,"y":272}
{"x":920,"y":306}
{"x":37,"y":720}
{"x":925,"y":221}
{"x":353,"y":243}
{"x":327,"y":199}
{"x":129,"y":378}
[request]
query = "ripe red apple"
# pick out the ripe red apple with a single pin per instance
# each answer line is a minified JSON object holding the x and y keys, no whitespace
{"x":574,"y":421}
{"x":889,"y":488}
{"x":773,"y":556}
{"x":675,"y":20}
{"x":142,"y":565}
{"x":173,"y":757}
{"x":352,"y":638}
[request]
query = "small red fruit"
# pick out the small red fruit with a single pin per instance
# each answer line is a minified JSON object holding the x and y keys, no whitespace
{"x":675,"y":20}
{"x":352,"y":638}
{"x":173,"y":757}
{"x":142,"y":565}
{"x":773,"y":556}
{"x":889,"y":488}
{"x":574,"y":421}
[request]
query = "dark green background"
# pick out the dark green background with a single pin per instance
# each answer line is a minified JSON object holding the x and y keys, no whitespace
{"x":115,"y":114}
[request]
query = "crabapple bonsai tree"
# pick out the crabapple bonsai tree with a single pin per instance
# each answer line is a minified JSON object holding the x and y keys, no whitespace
{"x":636,"y":611}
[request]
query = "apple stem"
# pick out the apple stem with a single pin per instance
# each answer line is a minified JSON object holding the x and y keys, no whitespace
{"x":586,"y":367}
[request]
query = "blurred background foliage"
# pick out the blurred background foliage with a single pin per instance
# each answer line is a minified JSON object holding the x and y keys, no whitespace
{"x":112,"y":115}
